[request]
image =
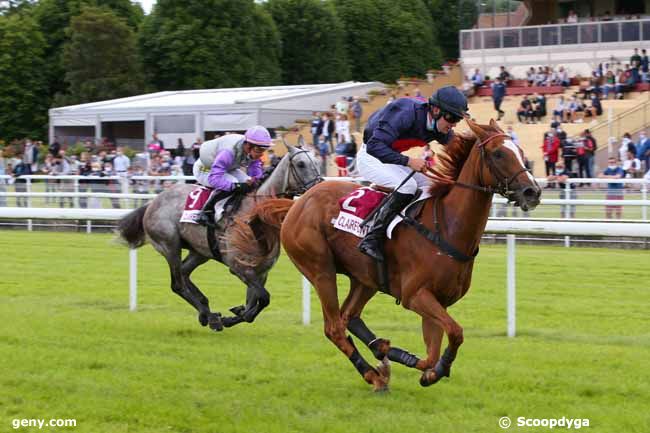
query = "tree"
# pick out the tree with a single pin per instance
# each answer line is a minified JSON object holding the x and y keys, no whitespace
{"x":185,"y":45}
{"x":447,"y":27}
{"x":100,"y":59}
{"x":388,"y":38}
{"x":8,"y":7}
{"x":54,"y":18}
{"x":22,"y":81}
{"x":313,"y":41}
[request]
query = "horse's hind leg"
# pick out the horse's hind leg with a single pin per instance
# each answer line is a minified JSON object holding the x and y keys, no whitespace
{"x":426,"y":305}
{"x":381,"y":348}
{"x":190,"y":263}
{"x":324,"y":281}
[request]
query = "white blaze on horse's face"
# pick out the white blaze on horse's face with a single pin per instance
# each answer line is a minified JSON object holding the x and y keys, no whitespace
{"x":509,"y":144}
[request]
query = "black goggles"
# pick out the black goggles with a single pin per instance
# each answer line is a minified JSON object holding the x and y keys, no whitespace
{"x":451,"y":118}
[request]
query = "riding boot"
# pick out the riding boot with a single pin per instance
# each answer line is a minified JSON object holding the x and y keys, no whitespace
{"x":206,"y":217}
{"x":373,"y":244}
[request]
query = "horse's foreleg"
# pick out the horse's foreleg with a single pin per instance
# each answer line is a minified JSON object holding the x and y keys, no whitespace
{"x":257,"y":298}
{"x":426,"y":305}
{"x":190,"y":263}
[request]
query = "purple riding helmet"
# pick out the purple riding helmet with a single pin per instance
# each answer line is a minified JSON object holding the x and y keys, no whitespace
{"x":259,"y":136}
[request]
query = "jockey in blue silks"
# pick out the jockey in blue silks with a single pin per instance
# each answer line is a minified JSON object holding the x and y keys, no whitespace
{"x":227,"y":156}
{"x":399,"y":126}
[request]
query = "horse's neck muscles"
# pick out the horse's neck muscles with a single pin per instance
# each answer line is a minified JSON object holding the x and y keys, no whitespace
{"x":465,"y":211}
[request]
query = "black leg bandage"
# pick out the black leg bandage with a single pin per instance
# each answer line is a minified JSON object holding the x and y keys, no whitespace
{"x":359,"y":363}
{"x":443,"y":366}
{"x":403,"y":357}
{"x":360,"y":330}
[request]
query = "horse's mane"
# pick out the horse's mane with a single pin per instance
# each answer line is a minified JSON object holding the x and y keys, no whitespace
{"x":451,"y":159}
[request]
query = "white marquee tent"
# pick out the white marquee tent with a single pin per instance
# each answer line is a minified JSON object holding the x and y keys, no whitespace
{"x":193,"y":113}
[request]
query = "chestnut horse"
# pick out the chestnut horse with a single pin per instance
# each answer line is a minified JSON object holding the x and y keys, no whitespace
{"x":424,"y":275}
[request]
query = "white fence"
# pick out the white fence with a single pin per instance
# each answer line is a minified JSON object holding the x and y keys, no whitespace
{"x":511,"y":227}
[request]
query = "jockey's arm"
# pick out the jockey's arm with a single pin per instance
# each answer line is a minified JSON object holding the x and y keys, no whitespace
{"x":387,"y":131}
{"x":256,"y":170}
{"x":216,"y":178}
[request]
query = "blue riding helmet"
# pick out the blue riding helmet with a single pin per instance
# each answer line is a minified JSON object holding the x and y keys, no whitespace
{"x":451,"y":100}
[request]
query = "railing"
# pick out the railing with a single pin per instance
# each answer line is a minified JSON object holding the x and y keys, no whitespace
{"x":596,"y":32}
{"x":498,"y":226}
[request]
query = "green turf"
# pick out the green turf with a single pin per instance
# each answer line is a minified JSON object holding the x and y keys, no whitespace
{"x":71,"y":349}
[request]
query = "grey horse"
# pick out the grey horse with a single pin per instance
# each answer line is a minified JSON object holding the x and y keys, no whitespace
{"x":159,"y":223}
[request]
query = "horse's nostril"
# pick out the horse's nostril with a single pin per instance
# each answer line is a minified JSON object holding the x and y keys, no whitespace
{"x":530,"y":192}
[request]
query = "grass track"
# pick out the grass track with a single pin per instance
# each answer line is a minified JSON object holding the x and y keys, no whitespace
{"x":70,"y":348}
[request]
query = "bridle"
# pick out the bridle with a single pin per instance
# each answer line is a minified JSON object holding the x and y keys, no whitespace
{"x":305,"y":185}
{"x":503,"y":182}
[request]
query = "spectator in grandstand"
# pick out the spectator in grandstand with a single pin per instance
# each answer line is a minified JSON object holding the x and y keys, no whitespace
{"x":624,"y":82}
{"x":468,"y":87}
{"x":525,"y":110}
{"x":342,"y":129}
{"x":561,"y":175}
{"x":3,"y":181}
{"x":627,"y":145}
{"x":539,"y":107}
{"x":572,"y":18}
{"x":635,"y":66}
{"x":121,"y":162}
{"x":574,"y":110}
{"x":614,"y":189}
{"x":551,"y":151}
{"x":559,"y":112}
{"x":498,"y":93}
{"x":644,"y":66}
{"x":316,"y":129}
{"x":643,"y":150}
{"x":504,"y":75}
{"x":589,"y":147}
{"x":595,"y":109}
{"x":541,"y":79}
{"x":155,"y":145}
{"x":610,"y":83}
{"x":327,"y":133}
{"x":477,"y":79}
{"x":632,"y":166}
{"x":342,"y":106}
{"x":357,"y":112}
{"x":530,"y":76}
{"x":54,"y":147}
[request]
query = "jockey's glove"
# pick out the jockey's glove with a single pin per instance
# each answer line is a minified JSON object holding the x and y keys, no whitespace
{"x":242,"y":188}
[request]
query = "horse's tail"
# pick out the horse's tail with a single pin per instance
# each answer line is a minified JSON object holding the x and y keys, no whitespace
{"x":256,"y":235}
{"x":131,"y":229}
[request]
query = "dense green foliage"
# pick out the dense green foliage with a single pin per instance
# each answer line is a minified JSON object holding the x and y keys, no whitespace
{"x":22,"y":78}
{"x":115,"y":73}
{"x":188,"y":44}
{"x":313,"y":42}
{"x":387,"y":39}
{"x":71,"y":349}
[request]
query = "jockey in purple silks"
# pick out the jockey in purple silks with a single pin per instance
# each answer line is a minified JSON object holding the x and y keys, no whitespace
{"x":226,"y":156}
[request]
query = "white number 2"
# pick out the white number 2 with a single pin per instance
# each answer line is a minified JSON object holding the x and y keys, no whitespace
{"x":357,"y":194}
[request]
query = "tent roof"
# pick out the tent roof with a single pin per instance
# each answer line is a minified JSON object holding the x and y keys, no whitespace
{"x":307,"y":97}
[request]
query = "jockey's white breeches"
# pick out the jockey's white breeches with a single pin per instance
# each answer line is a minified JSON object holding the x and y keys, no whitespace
{"x":389,"y":175}
{"x":201,"y":173}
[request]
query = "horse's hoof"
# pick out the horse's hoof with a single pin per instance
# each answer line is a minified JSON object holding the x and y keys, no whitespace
{"x":230,"y":321}
{"x":429,"y":377}
{"x":381,"y":388}
{"x":203,"y":319}
{"x":383,"y":368}
{"x":216,"y":322}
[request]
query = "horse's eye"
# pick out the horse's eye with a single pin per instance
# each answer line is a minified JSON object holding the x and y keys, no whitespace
{"x":301,"y":164}
{"x":498,"y":154}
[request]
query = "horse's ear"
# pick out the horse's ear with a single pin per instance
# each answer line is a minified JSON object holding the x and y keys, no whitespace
{"x":289,"y":147}
{"x":476,"y":129}
{"x":495,"y":125}
{"x":301,"y":141}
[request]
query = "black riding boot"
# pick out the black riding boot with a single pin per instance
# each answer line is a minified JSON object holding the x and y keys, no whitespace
{"x":373,"y":244}
{"x":206,"y":217}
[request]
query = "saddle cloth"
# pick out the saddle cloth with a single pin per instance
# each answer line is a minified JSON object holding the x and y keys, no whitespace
{"x":196,"y":200}
{"x":357,"y":205}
